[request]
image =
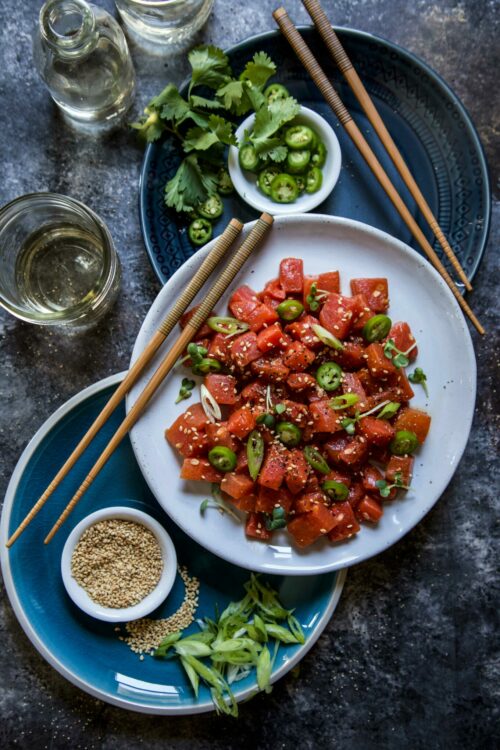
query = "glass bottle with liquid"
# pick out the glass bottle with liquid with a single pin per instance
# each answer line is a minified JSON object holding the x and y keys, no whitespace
{"x":82,"y":56}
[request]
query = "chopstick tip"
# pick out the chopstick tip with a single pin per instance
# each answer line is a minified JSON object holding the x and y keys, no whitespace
{"x":267,"y":218}
{"x":279,"y":13}
{"x":237,"y":224}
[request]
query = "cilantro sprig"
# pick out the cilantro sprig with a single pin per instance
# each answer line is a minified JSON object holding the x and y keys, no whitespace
{"x":385,"y":488}
{"x":399,"y":358}
{"x":418,"y":376}
{"x":203,"y":124}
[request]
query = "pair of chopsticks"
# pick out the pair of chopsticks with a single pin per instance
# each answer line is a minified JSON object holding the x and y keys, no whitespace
{"x":317,"y":74}
{"x":221,"y":247}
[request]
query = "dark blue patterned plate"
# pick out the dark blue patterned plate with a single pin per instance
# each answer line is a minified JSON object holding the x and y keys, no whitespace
{"x":88,"y":652}
{"x":426,"y":119}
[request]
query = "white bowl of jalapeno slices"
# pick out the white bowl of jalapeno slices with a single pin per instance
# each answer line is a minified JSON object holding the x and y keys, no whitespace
{"x":296,"y":175}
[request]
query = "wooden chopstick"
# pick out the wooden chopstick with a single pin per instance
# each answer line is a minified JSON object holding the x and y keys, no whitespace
{"x":255,"y":237}
{"x":333,"y":100}
{"x":346,"y":67}
{"x":222,"y":245}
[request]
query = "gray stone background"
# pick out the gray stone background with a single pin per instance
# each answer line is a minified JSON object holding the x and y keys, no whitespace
{"x":409,"y":659}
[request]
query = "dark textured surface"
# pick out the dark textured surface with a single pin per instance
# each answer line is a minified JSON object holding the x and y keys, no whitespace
{"x":410,"y":659}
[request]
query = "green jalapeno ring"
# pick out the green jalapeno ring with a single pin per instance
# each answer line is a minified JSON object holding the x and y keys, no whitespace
{"x":255,"y":453}
{"x":275,"y":91}
{"x":284,"y":188}
{"x":290,"y":309}
{"x":337,"y":491}
{"x":267,"y":420}
{"x":314,"y":180}
{"x":316,"y":460}
{"x":297,"y":161}
{"x":200,"y":231}
{"x":222,"y":458}
{"x":227,"y":325}
{"x":376,"y":328}
{"x":266,"y":177}
{"x":224,"y":182}
{"x":289,"y":434}
{"x":329,"y":376}
{"x":248,"y":157}
{"x":319,"y":155}
{"x":299,"y":137}
{"x":403,"y":443}
{"x":212,"y":208}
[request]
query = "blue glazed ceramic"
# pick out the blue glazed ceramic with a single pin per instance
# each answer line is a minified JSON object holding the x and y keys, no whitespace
{"x":427,"y":121}
{"x":86,"y":651}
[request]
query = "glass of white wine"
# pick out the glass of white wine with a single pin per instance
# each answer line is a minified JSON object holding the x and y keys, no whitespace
{"x":58,"y":264}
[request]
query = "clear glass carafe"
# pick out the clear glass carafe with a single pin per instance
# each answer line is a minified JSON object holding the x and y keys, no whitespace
{"x":82,"y":56}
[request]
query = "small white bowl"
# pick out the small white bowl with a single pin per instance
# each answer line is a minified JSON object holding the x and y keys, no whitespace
{"x":245,"y":183}
{"x":153,"y":599}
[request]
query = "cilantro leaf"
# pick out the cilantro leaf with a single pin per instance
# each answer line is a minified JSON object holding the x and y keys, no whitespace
{"x":173,"y":106}
{"x":259,"y":69}
{"x":190,"y":185}
{"x":223,"y":129}
{"x":200,"y":101}
{"x":231,"y":93}
{"x":210,"y":67}
{"x":269,"y":119}
{"x":277,"y":153}
{"x":218,"y":130}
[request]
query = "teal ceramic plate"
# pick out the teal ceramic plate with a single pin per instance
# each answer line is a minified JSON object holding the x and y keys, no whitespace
{"x":85,"y":651}
{"x":428,"y":122}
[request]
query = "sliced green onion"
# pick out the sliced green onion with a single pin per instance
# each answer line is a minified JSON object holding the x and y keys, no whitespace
{"x":344,"y":401}
{"x":210,"y":405}
{"x":389,"y":410}
{"x":327,"y":338}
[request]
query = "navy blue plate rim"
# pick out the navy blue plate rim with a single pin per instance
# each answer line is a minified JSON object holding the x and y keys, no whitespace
{"x":436,"y":77}
{"x":31,"y":632}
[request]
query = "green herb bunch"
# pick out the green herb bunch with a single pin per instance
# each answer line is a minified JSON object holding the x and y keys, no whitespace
{"x":245,"y":636}
{"x":204,"y":125}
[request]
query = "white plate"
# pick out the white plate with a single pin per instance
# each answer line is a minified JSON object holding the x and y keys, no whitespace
{"x":245,"y":183}
{"x":419,"y":296}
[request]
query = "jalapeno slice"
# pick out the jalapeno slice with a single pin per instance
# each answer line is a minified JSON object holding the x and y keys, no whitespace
{"x":222,"y":458}
{"x":276,"y":91}
{"x":298,"y":161}
{"x":224,"y":182}
{"x":289,"y":434}
{"x":200,"y":231}
{"x":290,"y":309}
{"x":268,"y":420}
{"x":301,"y":182}
{"x":319,"y":154}
{"x":255,"y":453}
{"x":376,"y":328}
{"x":403,"y":442}
{"x":284,"y":188}
{"x":314,"y":180}
{"x":329,"y":376}
{"x":316,"y":460}
{"x":229,"y":326}
{"x":337,"y":491}
{"x":299,"y":136}
{"x":266,"y":176}
{"x":206,"y":365}
{"x":212,"y":208}
{"x":248,"y":157}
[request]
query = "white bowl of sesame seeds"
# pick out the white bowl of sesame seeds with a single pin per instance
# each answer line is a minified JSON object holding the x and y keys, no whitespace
{"x":118,"y":564}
